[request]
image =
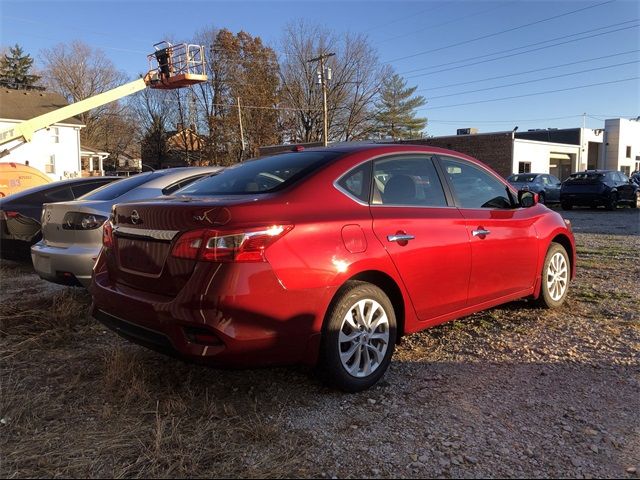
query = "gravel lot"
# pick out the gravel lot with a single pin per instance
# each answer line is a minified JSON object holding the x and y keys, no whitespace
{"x":511,"y":392}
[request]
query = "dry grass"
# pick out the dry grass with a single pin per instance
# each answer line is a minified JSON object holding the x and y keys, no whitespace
{"x":77,"y":401}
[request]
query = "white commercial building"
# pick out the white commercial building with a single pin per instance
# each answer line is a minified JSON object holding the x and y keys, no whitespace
{"x":622,"y":145}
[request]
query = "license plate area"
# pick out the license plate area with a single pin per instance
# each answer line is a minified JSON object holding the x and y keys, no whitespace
{"x":142,"y":256}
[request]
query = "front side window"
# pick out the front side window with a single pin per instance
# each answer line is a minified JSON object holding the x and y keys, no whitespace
{"x":407,"y":180}
{"x":475,"y":187}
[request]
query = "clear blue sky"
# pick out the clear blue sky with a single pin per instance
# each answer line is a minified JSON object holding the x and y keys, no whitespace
{"x":427,"y":33}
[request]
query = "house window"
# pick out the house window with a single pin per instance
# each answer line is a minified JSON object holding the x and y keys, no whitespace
{"x":524,"y":167}
{"x":50,"y":166}
{"x":55,"y":135}
{"x":628,"y":151}
{"x":626,"y":170}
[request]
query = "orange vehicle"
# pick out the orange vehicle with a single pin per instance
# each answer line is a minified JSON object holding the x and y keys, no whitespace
{"x":15,"y":177}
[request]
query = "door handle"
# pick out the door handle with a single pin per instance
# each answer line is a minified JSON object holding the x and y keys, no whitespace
{"x":400,"y":237}
{"x":481,"y":232}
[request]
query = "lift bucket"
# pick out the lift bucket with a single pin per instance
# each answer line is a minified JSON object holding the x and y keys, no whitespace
{"x":176,"y":66}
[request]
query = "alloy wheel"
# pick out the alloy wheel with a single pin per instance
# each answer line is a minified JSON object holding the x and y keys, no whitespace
{"x":364,"y":338}
{"x":557,"y":276}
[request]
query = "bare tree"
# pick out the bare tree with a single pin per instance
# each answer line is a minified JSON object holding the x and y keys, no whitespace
{"x":154,"y":116}
{"x":78,"y":71}
{"x":356,"y":79}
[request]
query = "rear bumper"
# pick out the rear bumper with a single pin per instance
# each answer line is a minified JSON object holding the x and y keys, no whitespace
{"x":273,"y":326}
{"x":584,"y":198}
{"x":67,"y":266}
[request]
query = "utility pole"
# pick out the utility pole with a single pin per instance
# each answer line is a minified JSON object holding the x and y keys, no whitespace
{"x":323,"y":81}
{"x":241,"y":131}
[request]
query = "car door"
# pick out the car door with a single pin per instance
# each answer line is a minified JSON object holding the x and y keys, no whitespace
{"x":423,"y":232}
{"x":504,"y":245}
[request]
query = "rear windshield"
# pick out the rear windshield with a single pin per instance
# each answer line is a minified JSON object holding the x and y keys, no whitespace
{"x":115,"y":189}
{"x":522,"y":178}
{"x":586,"y":176}
{"x":261,"y":176}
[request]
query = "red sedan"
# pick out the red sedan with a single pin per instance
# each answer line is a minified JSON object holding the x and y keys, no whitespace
{"x":326,"y":257}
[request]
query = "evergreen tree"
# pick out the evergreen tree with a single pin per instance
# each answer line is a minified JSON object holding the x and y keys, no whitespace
{"x":396,"y":116}
{"x":14,"y":69}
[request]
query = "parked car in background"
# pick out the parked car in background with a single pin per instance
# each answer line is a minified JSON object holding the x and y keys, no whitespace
{"x":635,"y":178}
{"x":20,"y":212}
{"x":325,"y":257}
{"x":72,"y":231}
{"x":546,"y":186}
{"x":595,"y":188}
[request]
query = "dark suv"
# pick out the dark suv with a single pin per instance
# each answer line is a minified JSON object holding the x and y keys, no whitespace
{"x":594,"y":188}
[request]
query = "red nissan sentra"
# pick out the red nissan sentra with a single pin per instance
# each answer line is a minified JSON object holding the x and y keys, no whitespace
{"x":326,"y":257}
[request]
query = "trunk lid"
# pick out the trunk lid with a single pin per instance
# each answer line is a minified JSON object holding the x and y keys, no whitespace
{"x":145,"y":232}
{"x":56,"y":231}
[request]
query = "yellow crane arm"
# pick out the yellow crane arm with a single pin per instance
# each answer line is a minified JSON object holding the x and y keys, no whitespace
{"x":25,"y":130}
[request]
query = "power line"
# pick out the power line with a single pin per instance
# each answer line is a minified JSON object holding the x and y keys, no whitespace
{"x":438,"y":25}
{"x":533,"y":94}
{"x":501,"y":32}
{"x":505,"y":121}
{"x":513,"y":54}
{"x":550,"y":67}
{"x":413,"y":15}
{"x":535,"y":80}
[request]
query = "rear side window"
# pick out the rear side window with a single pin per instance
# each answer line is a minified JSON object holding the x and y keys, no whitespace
{"x":475,"y":187}
{"x":357,"y":182}
{"x":263,"y":175}
{"x":119,"y":187}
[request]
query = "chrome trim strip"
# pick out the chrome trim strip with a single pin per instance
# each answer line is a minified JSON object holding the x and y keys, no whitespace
{"x":166,"y":235}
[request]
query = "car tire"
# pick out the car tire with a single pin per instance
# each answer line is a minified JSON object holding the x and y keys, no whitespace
{"x":556,"y":274}
{"x":566,"y":206}
{"x":358,"y":337}
{"x":612,"y":202}
{"x":636,"y":200}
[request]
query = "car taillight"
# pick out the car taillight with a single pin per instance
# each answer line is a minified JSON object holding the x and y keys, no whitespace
{"x":107,"y":235}
{"x":82,"y":221}
{"x":228,"y":246}
{"x":5,"y":215}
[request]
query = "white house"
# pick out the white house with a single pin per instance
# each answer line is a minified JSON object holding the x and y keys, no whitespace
{"x":55,"y":150}
{"x":91,"y":160}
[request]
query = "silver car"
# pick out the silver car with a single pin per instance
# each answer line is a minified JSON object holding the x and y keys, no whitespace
{"x":72,"y":231}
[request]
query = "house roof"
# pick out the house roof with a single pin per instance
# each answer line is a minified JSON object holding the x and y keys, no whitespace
{"x":27,"y":104}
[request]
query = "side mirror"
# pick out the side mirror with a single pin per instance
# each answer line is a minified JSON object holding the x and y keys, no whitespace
{"x":527,"y":199}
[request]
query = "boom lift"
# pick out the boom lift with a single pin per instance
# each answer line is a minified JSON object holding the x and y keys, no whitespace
{"x":170,"y":67}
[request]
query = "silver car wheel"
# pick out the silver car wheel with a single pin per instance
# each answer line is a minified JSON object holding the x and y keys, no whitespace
{"x":364,"y":338}
{"x":557,"y":276}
